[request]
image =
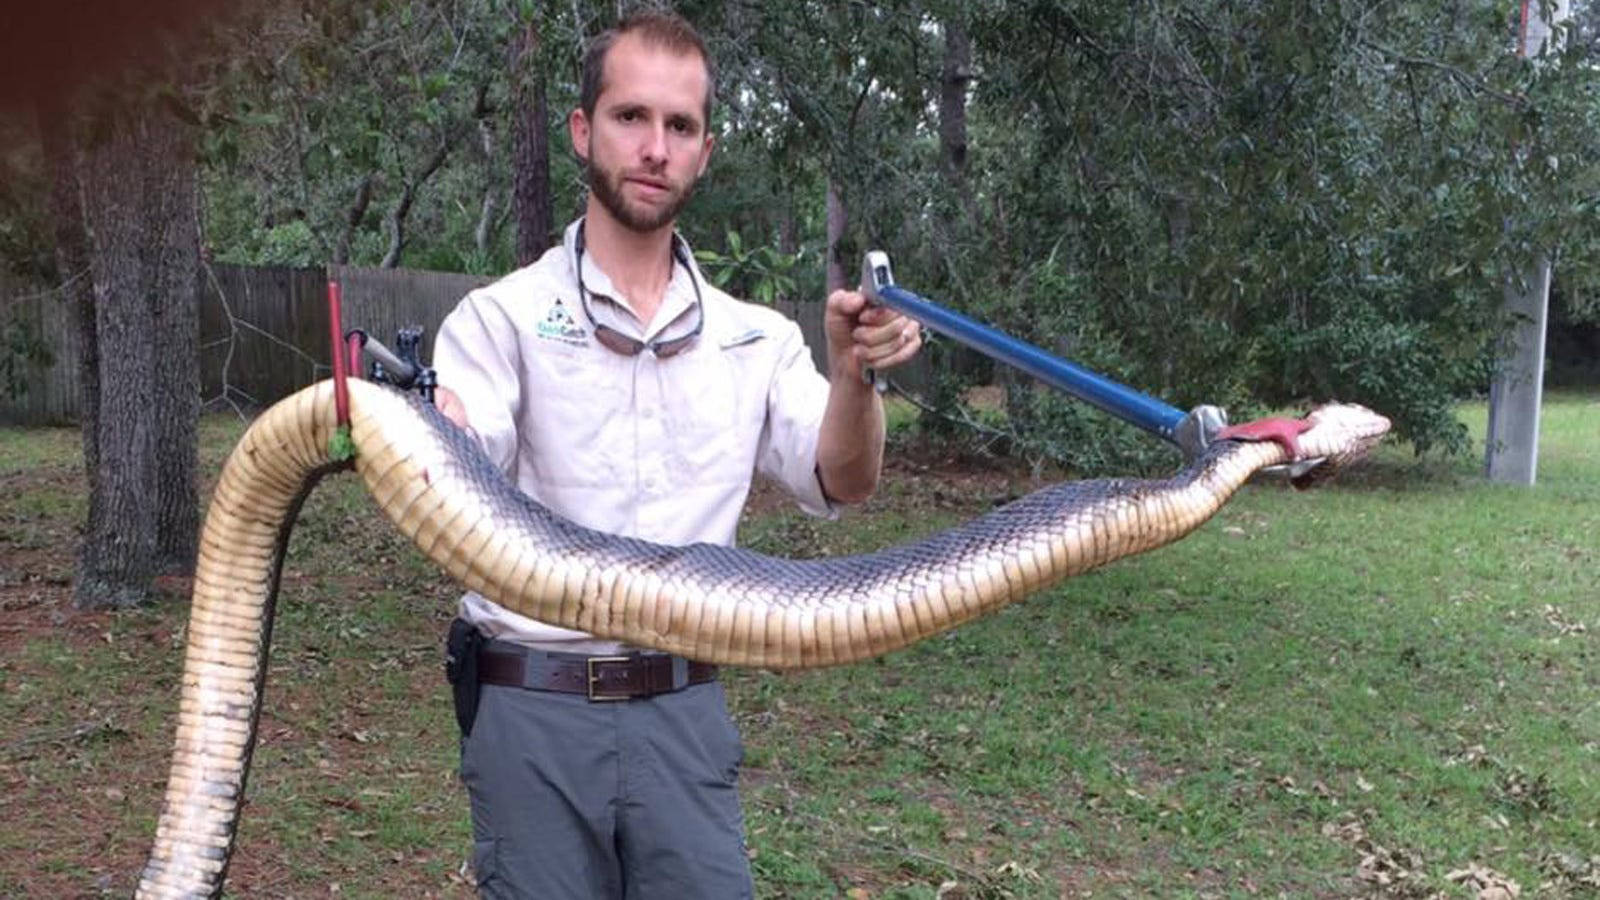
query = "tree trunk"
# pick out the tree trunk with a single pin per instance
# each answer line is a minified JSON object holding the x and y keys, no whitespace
{"x":483,"y":235}
{"x":838,"y":221}
{"x":530,"y":163}
{"x":139,"y":189}
{"x":788,"y":227}
{"x":177,"y":370}
{"x":953,"y":82}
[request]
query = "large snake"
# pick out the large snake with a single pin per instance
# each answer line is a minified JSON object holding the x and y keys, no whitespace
{"x":711,"y":603}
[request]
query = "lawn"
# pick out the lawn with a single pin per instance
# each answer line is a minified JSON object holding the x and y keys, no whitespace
{"x":1386,"y":686}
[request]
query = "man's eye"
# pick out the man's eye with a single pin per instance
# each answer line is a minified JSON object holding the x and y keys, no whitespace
{"x":627,"y":115}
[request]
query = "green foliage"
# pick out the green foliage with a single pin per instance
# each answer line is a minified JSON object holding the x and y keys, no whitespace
{"x":1081,"y":438}
{"x":1263,"y":206}
{"x":758,"y":273}
{"x":1399,"y":367}
{"x":289,"y":244}
{"x":1253,"y":207}
{"x":340,"y":447}
{"x":351,"y":110}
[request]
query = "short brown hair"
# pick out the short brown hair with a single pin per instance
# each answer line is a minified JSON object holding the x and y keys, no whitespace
{"x":657,"y":28}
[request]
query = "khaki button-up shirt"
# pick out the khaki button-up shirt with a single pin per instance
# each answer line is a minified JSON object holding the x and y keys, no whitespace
{"x":658,"y":449}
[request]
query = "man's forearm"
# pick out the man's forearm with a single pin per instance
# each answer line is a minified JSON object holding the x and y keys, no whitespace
{"x":850,"y":444}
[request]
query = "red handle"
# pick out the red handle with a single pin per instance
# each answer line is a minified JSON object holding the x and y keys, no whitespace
{"x":341,"y":387}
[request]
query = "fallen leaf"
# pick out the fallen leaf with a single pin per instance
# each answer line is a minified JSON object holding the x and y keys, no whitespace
{"x":1489,"y":884}
{"x":1017,"y":870}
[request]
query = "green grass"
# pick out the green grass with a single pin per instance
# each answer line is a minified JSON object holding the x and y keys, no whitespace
{"x":1394,"y":674}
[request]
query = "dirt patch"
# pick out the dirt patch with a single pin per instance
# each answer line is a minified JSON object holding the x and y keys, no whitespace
{"x":89,"y":696}
{"x":36,"y":609}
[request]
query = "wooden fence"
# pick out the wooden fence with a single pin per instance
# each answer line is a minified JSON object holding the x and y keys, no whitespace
{"x":37,"y":392}
{"x":264,"y":331}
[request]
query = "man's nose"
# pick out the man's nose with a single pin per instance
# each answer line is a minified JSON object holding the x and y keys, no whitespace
{"x":655,"y":144}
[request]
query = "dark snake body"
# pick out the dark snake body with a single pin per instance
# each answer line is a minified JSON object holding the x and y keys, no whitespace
{"x":711,"y":603}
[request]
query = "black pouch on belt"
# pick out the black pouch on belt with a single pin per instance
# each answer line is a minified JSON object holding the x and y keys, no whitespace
{"x":461,"y":668}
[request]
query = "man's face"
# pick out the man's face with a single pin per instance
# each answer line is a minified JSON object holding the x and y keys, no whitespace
{"x":647,"y":142}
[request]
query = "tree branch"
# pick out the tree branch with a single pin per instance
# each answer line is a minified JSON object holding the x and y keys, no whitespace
{"x":410,"y":186}
{"x":352,"y":219}
{"x":1466,"y":79}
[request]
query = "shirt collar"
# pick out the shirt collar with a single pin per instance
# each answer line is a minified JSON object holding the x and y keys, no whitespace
{"x":676,"y":305}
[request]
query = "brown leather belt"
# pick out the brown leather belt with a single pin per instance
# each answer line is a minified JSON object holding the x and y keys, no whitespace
{"x":597,"y":677}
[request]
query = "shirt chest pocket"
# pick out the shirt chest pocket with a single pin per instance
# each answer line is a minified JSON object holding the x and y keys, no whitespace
{"x":575,"y":422}
{"x":710,"y":414}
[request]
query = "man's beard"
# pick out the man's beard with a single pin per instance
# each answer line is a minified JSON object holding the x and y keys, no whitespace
{"x":606,"y":185}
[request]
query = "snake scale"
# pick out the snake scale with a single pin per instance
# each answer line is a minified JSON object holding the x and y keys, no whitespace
{"x":712,"y":603}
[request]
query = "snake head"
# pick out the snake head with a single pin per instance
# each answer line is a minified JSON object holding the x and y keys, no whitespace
{"x":1343,"y":430}
{"x":1341,"y":433}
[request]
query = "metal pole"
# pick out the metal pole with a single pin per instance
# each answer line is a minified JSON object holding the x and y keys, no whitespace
{"x":1127,"y":404}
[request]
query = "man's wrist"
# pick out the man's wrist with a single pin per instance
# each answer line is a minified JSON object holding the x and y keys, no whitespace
{"x":843,"y":369}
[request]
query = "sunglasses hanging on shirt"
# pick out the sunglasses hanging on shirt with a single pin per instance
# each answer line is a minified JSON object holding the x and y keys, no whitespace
{"x":616,"y":341}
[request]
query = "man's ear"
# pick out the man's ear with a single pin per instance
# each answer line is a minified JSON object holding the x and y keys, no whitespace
{"x":578,"y":130}
{"x":705,"y":156}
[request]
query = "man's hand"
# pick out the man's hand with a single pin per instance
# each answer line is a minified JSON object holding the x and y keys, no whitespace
{"x":850,"y":443}
{"x":861,"y":335}
{"x":451,"y":407}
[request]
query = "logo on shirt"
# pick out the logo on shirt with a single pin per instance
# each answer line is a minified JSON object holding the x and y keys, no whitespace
{"x":558,"y":325}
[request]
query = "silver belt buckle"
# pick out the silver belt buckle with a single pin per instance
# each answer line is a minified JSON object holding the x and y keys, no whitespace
{"x":594,"y":677}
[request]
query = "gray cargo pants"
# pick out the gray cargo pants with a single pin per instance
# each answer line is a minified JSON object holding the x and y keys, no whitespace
{"x":629,"y":799}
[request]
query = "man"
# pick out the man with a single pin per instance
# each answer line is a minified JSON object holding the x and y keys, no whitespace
{"x":621,"y":390}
